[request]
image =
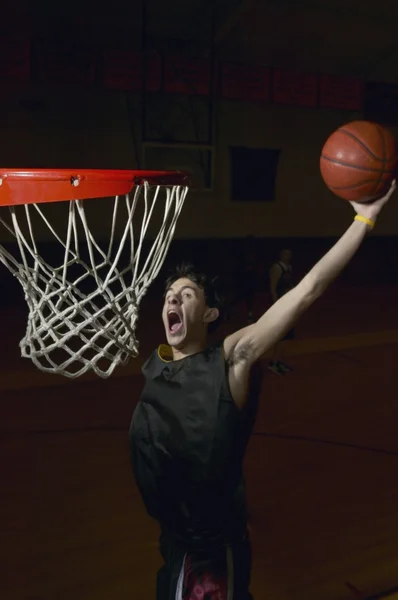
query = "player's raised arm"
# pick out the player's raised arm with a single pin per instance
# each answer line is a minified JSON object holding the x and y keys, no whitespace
{"x":255,"y":340}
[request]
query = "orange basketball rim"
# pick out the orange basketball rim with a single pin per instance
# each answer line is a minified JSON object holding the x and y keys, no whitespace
{"x":83,"y":295}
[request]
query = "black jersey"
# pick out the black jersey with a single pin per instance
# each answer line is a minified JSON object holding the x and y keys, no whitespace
{"x":187,"y":440}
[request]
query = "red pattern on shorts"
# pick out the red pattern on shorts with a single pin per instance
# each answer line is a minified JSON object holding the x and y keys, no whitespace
{"x":205,"y":579}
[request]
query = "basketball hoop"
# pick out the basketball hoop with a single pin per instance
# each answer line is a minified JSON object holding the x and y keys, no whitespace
{"x":83,"y":307}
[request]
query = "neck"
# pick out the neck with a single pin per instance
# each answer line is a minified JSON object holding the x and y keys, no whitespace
{"x":188,"y":349}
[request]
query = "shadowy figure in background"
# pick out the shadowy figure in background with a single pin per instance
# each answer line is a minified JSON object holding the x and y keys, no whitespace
{"x":281,"y":282}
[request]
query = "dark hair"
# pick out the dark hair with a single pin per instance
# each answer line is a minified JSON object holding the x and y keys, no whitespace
{"x":211,"y":287}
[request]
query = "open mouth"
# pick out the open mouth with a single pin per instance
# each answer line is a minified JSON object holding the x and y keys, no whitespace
{"x":175,"y":322}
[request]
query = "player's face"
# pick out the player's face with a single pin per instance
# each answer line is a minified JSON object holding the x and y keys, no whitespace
{"x":184,"y":312}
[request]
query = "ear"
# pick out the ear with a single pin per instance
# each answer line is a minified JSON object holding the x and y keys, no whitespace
{"x":211,"y":315}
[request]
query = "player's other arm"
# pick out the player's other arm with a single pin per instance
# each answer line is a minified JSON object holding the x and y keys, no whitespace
{"x":251,"y":343}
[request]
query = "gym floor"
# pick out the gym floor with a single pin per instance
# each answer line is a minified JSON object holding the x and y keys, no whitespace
{"x":321,"y":467}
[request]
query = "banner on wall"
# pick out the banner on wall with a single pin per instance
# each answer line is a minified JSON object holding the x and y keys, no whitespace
{"x":345,"y":93}
{"x":123,"y":70}
{"x":295,"y":89}
{"x":187,"y":75}
{"x":250,"y":83}
{"x":62,"y":63}
{"x":59,"y":62}
{"x":15,"y":58}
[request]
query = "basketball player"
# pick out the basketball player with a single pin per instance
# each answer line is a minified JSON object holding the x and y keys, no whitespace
{"x":190,"y":429}
{"x":281,"y":282}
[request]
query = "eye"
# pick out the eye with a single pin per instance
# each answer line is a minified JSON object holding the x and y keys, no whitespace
{"x":187,"y":295}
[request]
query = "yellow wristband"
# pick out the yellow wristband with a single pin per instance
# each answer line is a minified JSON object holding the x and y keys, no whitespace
{"x":365,"y":220}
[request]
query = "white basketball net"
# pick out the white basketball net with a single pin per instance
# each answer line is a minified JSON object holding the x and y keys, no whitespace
{"x":71,"y":331}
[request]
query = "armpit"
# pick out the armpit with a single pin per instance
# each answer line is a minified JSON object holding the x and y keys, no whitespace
{"x":240,"y":354}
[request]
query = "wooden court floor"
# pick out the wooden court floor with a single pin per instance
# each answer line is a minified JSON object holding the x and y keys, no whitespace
{"x":322,"y":467}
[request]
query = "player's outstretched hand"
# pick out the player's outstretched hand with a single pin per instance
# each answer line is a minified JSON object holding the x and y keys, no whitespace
{"x":371,"y":210}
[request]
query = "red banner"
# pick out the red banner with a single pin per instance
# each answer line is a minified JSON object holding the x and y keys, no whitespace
{"x":249,"y":83}
{"x":15,"y":58}
{"x":340,"y":92}
{"x":295,"y":89}
{"x":60,"y":63}
{"x":122,"y":70}
{"x":187,"y":75}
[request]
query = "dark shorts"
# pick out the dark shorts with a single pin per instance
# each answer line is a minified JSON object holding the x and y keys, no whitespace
{"x":219,"y":574}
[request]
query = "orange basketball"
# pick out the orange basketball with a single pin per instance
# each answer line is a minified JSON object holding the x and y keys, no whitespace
{"x":358,"y":161}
